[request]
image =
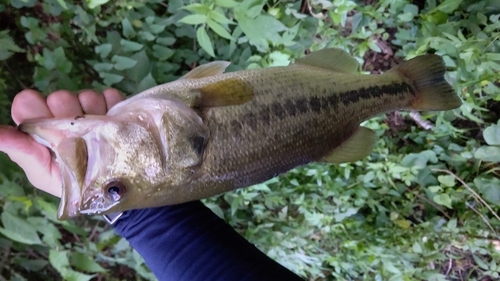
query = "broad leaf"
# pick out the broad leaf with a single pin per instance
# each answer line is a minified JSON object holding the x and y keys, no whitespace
{"x":204,"y":41}
{"x":19,"y":230}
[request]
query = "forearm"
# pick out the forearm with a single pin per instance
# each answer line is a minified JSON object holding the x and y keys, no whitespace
{"x":189,"y":242}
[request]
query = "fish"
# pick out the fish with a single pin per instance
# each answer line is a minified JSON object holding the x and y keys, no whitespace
{"x":213,"y":131}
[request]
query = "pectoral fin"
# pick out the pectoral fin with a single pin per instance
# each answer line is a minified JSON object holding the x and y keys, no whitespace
{"x":209,"y":69}
{"x":357,"y":147}
{"x":231,"y":91}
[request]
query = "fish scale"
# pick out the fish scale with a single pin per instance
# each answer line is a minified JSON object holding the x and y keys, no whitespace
{"x":288,"y":140}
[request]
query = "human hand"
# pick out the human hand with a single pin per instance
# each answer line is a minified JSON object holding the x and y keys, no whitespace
{"x":34,"y":158}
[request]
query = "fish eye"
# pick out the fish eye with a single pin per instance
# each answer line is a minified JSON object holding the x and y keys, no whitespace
{"x":115,"y":190}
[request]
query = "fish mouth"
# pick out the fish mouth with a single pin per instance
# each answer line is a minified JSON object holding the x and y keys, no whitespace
{"x":64,"y":137}
{"x":95,"y":203}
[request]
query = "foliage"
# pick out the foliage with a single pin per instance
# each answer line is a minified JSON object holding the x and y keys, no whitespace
{"x":422,"y":206}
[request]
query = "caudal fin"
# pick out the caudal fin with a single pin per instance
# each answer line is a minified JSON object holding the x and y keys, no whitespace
{"x":426,"y":74}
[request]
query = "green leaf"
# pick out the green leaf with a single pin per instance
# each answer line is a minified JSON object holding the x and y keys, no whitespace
{"x":110,"y":78}
{"x":447,"y":180}
{"x":252,"y":31}
{"x":62,"y":63}
{"x":71,"y":275}
{"x":373,"y":46}
{"x":146,"y":83}
{"x":448,"y":6}
{"x":63,"y":4}
{"x":23,"y":200}
{"x":103,"y":67}
{"x":167,"y":41}
{"x":128,"y":29}
{"x":443,"y":200}
{"x":406,"y":17}
{"x":204,"y":41}
{"x":96,"y":3}
{"x":122,"y":63}
{"x":32,"y":265}
{"x":19,"y":230}
{"x":279,"y":59}
{"x":85,"y":263}
{"x":146,"y":35}
{"x":130,"y":46}
{"x":403,"y":223}
{"x":251,"y":8}
{"x":141,"y":69}
{"x":480,"y":262}
{"x":194,"y":19}
{"x":217,"y":28}
{"x":7,"y":45}
{"x":492,"y":134}
{"x":197,"y":8}
{"x":162,"y":53}
{"x":389,"y":266}
{"x":452,"y":224}
{"x":58,"y":259}
{"x":489,"y":188}
{"x":22,"y":3}
{"x":488,"y":153}
{"x":220,"y":18}
{"x":417,"y":248}
{"x":411,"y":8}
{"x":103,"y":50}
{"x":226,"y":3}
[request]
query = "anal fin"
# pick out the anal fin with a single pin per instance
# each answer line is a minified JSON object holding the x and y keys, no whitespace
{"x":357,"y":147}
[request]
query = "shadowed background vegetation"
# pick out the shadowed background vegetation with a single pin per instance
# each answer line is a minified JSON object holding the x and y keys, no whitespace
{"x":423,"y":206}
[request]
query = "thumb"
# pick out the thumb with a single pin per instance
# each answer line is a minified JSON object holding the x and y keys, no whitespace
{"x":34,"y":158}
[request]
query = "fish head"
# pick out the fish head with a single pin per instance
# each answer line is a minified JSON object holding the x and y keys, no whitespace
{"x":107,"y":164}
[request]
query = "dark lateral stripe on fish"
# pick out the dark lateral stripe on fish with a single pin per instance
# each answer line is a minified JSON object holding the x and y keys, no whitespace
{"x":292,"y":107}
{"x":374,"y":92}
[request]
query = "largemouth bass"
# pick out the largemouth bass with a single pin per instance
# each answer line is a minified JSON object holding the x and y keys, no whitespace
{"x":210,"y":132}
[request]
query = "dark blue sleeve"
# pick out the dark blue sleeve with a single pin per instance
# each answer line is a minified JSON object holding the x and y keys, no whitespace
{"x":189,"y":242}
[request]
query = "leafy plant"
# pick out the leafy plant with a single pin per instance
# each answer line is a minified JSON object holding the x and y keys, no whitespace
{"x":423,"y":206}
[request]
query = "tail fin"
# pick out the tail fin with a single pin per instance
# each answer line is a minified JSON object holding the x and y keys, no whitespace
{"x":426,"y":74}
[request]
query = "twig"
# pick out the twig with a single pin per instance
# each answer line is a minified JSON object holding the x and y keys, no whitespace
{"x":318,"y":15}
{"x":15,"y":76}
{"x":434,"y":205}
{"x":470,"y":189}
{"x":427,"y":125}
{"x":481,"y":215}
{"x":94,"y":231}
{"x":450,"y":263}
{"x":6,"y":254}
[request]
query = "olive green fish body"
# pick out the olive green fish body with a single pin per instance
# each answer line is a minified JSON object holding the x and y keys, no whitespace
{"x":298,"y":115}
{"x":210,"y":132}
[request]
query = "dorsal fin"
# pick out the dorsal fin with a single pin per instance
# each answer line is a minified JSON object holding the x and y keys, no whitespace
{"x":208,"y":69}
{"x":332,"y":59}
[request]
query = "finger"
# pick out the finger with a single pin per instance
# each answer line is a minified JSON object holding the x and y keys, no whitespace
{"x":32,"y":157}
{"x":112,"y":97}
{"x":92,"y":102}
{"x":29,"y":104}
{"x":64,"y":104}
